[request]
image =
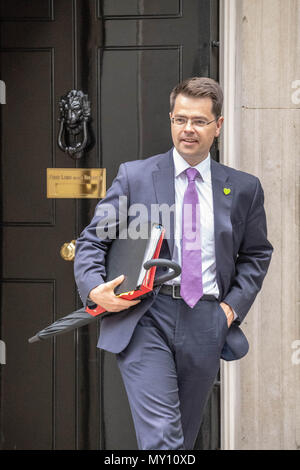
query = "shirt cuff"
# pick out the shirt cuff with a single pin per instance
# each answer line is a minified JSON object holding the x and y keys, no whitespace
{"x":235,"y":314}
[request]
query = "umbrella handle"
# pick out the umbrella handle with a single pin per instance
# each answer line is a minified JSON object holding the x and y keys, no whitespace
{"x":166,"y":263}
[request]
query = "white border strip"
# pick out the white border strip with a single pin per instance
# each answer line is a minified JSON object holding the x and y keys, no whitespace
{"x":229,"y":370}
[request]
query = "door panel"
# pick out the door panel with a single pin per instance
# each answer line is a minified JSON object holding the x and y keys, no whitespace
{"x":127,"y":56}
{"x":141,"y":9}
{"x":21,"y":384}
{"x":39,"y":10}
{"x":133,"y":110}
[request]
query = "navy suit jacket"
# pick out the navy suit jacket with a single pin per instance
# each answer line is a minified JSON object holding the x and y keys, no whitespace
{"x":242,"y":250}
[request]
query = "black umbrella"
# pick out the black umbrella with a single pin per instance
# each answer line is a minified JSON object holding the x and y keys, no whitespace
{"x":81,"y":317}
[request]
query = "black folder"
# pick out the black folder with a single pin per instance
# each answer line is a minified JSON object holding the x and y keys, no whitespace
{"x":137,"y":259}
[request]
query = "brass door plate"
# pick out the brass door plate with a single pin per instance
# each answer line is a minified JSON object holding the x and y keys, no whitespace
{"x":78,"y":183}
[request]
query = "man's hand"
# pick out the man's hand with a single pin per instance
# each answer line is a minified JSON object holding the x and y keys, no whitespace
{"x":228,"y":312}
{"x":104,"y":296}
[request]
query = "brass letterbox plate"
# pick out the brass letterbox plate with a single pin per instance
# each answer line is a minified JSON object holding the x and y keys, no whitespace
{"x":78,"y":183}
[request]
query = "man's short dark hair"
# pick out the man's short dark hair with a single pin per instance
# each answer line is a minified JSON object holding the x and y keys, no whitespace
{"x":199,"y":87}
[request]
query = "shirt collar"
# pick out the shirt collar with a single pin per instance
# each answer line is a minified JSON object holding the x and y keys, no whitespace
{"x":180,"y":165}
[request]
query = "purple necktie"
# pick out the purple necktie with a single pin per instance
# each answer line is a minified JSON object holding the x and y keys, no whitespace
{"x":191,"y":264}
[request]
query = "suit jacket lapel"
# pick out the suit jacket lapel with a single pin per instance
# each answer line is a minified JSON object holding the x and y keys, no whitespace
{"x":164,"y":186}
{"x":222,"y":200}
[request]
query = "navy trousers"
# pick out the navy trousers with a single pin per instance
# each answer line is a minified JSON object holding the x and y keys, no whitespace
{"x":169,"y":368}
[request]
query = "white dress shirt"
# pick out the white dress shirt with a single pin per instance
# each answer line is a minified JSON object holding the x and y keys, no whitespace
{"x":204,"y":190}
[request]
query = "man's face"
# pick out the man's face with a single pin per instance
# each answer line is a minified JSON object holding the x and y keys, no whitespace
{"x":191,"y":141}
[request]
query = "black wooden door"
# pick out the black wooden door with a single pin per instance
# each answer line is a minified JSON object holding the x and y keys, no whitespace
{"x":126,"y":55}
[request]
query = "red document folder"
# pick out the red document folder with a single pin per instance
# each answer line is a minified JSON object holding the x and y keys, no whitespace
{"x":128,"y":257}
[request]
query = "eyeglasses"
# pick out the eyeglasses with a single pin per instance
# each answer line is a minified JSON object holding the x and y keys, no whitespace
{"x":182,"y":121}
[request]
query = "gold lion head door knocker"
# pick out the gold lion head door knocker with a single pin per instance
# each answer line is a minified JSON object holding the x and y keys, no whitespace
{"x":75,"y":112}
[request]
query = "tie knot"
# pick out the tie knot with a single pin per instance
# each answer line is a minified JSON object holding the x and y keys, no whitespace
{"x":191,"y":173}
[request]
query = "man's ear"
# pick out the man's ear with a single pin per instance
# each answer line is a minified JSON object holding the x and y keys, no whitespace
{"x":219,"y":126}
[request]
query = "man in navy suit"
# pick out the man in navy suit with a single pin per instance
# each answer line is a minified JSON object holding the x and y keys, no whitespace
{"x":168,"y":345}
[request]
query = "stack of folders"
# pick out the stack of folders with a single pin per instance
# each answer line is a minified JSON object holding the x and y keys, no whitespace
{"x":127,"y":256}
